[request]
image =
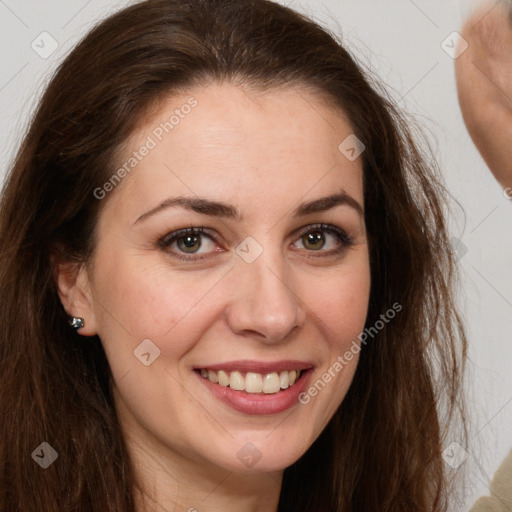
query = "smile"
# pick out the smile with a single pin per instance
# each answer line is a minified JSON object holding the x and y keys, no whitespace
{"x":251,"y":382}
{"x":255,"y":387}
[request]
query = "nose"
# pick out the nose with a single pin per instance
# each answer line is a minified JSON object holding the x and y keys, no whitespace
{"x":264,"y":304}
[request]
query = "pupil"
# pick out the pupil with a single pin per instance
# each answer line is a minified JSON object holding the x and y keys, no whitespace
{"x":190,"y":241}
{"x":315,"y":238}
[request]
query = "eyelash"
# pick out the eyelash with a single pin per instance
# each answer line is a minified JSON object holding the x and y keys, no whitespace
{"x":344,"y":240}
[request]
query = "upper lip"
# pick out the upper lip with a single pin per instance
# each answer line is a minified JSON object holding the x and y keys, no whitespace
{"x":247,"y":365}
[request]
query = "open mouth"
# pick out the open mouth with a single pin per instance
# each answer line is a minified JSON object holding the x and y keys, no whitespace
{"x":252,"y":382}
{"x":257,"y":387}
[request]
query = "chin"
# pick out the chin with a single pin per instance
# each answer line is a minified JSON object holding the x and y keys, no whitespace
{"x":265,"y":454}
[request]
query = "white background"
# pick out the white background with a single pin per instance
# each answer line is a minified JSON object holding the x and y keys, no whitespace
{"x":401,"y":41}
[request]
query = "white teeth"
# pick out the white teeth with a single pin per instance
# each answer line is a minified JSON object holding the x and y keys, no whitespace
{"x":271,"y":383}
{"x":223,"y":378}
{"x":252,"y":382}
{"x":284,"y":380}
{"x":236,"y":381}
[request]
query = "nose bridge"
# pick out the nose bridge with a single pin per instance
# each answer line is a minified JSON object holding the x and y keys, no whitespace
{"x":265,"y":301}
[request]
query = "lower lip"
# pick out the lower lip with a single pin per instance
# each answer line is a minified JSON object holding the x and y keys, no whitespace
{"x":255,"y":403}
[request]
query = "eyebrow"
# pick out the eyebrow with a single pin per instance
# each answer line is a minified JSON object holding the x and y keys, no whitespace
{"x":220,"y":209}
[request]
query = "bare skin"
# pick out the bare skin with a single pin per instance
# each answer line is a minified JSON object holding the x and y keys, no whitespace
{"x":484,"y":84}
{"x":204,"y":305}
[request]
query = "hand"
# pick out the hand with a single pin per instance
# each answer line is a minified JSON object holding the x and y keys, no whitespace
{"x":484,"y":84}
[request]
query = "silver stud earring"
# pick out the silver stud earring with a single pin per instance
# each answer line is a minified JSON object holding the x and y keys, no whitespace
{"x":76,"y":322}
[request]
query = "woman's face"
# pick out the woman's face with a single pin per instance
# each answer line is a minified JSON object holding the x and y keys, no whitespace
{"x":277,"y":281}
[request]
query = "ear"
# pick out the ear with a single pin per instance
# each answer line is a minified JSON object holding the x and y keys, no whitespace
{"x":74,"y":290}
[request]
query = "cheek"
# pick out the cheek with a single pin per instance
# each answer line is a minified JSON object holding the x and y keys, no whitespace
{"x":140,"y":300}
{"x":341,"y":306}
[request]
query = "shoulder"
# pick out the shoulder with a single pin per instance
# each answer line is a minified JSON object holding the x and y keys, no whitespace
{"x":500,"y":499}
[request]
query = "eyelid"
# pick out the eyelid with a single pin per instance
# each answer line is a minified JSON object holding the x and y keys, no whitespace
{"x":324,"y":227}
{"x":168,"y":239}
{"x":345,"y":240}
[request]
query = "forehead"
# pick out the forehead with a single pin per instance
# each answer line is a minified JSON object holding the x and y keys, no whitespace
{"x":226,"y":141}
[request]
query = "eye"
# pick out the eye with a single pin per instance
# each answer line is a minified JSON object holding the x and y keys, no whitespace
{"x":188,"y":241}
{"x":192,"y":244}
{"x":321,"y":236}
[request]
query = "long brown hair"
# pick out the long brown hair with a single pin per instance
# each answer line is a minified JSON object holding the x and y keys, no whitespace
{"x":382,"y":450}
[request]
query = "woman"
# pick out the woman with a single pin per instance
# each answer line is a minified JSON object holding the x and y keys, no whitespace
{"x":251,"y":254}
